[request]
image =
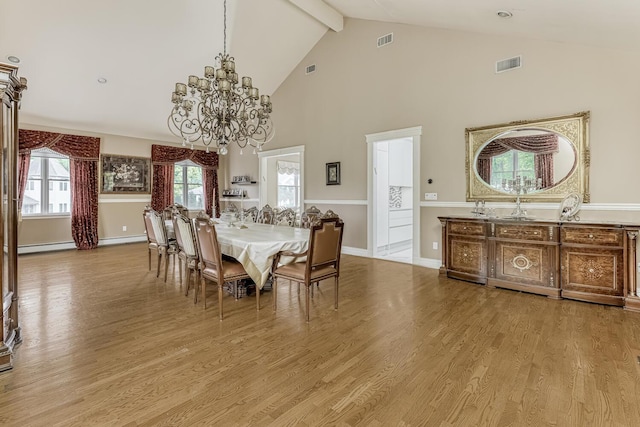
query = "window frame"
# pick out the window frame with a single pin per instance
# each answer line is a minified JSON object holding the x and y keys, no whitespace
{"x":47,"y":185}
{"x":184,"y":165}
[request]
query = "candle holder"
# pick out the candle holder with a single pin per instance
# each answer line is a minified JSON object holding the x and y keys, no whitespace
{"x":519,"y":186}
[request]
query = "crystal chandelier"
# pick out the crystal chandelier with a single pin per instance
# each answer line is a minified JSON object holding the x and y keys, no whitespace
{"x":218,"y":111}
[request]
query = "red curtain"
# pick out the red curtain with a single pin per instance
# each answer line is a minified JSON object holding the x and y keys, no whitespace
{"x":84,"y":154}
{"x":164,"y":158}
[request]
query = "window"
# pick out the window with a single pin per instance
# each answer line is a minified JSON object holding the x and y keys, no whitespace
{"x":511,"y":164}
{"x":187,"y":180}
{"x":47,"y":191}
{"x":288,"y":184}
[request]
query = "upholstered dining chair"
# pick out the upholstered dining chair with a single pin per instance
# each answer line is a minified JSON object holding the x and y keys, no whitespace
{"x":285,"y":217}
{"x":187,"y":252}
{"x":322,"y":262}
{"x":213,"y":267}
{"x":308,"y":216}
{"x":265,"y":215}
{"x":158,"y":240}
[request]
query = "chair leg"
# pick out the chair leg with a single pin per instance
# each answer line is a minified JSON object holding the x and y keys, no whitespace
{"x":187,"y":279}
{"x":204,"y":296}
{"x":257,"y":297}
{"x":166,"y":265}
{"x":195,"y":286}
{"x":180,"y":268}
{"x":220,"y":300}
{"x":159,"y":261}
{"x":149,"y":250}
{"x":274,"y":289}
{"x":336,"y":304}
{"x":307,"y":298}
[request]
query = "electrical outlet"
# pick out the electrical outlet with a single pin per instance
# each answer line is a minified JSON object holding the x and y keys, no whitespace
{"x":639,"y":267}
{"x":431,"y":196}
{"x":435,"y":245}
{"x":124,"y":228}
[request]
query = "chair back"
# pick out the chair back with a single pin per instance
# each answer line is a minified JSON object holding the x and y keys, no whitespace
{"x":185,"y":236}
{"x":265,"y":215}
{"x":147,"y":215}
{"x":251,"y":214}
{"x":208,"y":245}
{"x":285,"y":217}
{"x":325,"y":243}
{"x":159,"y":229}
{"x":309,"y":216}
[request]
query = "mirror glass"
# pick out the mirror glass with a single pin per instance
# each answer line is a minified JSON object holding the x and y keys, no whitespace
{"x":538,"y":157}
{"x":542,"y":160}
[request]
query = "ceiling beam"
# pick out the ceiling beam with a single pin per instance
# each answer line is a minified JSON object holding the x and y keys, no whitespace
{"x":322,"y":12}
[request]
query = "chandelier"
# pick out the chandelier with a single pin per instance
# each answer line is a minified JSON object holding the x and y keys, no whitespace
{"x":217,"y":110}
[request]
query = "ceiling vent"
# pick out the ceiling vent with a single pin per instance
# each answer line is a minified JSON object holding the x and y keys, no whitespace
{"x":310,"y":69}
{"x":385,"y":40}
{"x":509,"y":64}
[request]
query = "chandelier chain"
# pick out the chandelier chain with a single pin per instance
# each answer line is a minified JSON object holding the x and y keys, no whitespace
{"x":224,"y":41}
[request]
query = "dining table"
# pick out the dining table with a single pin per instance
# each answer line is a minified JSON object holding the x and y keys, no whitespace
{"x":254,"y":245}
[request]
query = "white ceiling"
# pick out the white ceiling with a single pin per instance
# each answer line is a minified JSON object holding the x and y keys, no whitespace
{"x":143,"y":47}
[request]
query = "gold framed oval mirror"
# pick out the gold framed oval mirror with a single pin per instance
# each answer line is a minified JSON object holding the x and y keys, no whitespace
{"x":543,"y":160}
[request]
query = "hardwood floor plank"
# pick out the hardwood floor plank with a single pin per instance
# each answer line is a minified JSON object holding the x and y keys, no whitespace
{"x":107,"y":343}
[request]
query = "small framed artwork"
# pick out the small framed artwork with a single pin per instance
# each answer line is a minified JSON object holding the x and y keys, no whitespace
{"x":125,"y":174}
{"x":333,"y":173}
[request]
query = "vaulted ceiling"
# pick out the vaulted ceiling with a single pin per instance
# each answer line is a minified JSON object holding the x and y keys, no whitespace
{"x":143,"y":47}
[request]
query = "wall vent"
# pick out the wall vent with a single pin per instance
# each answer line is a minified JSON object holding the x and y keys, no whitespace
{"x":310,"y":69}
{"x":385,"y":40}
{"x":509,"y":64}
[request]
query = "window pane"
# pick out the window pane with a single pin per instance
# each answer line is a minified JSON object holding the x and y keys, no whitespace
{"x":196,"y":198}
{"x":178,"y":193}
{"x":286,"y":179}
{"x":177,"y":174}
{"x":287,"y":196}
{"x":194,"y":175}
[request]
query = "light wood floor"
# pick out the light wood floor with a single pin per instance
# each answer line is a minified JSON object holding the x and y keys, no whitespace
{"x":106,"y":343}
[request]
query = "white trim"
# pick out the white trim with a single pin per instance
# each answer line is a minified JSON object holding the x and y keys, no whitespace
{"x":322,"y":12}
{"x":50,"y":247}
{"x":628,"y":207}
{"x":428,"y":262}
{"x":136,"y":200}
{"x":336,"y":202}
{"x":394,"y":134}
{"x":348,"y":250}
{"x":281,"y":151}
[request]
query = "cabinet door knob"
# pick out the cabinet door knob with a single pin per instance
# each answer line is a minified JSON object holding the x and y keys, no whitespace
{"x":591,"y":236}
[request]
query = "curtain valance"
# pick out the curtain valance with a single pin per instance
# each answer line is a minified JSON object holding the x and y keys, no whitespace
{"x":162,"y":154}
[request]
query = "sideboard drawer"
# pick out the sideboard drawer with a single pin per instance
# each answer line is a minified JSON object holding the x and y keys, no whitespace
{"x":466,"y":228}
{"x":536,"y":233}
{"x":593,"y":236}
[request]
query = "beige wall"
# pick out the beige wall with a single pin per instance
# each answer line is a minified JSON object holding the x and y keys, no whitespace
{"x":445,"y":82}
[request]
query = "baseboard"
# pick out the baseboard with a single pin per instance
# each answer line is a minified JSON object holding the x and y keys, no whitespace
{"x":347,"y":250}
{"x":63,"y":246}
{"x":428,"y":262}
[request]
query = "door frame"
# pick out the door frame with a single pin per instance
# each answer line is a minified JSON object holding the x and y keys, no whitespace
{"x":263,"y":156}
{"x":415,"y":134}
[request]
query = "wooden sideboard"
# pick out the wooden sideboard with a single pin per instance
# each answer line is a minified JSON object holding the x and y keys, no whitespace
{"x":594,"y":262}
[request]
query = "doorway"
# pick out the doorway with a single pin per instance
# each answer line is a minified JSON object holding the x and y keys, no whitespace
{"x":394,"y":202}
{"x":281,"y":178}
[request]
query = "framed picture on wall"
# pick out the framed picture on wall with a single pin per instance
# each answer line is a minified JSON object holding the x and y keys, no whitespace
{"x":333,"y":173}
{"x":125,"y":174}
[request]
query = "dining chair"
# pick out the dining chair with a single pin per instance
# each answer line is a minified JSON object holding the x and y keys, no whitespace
{"x":213,"y":267}
{"x":308,"y":216}
{"x":285,"y":217}
{"x":187,"y":252}
{"x":161,"y":242}
{"x":251,"y":214}
{"x":265,"y":215}
{"x":322,"y":259}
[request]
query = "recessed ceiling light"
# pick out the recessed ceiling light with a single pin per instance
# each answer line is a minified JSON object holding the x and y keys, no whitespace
{"x":13,"y":59}
{"x":504,"y":14}
{"x":102,"y":80}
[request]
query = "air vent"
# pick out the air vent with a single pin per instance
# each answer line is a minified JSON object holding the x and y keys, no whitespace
{"x":310,"y":69}
{"x":508,"y":64}
{"x":385,"y":40}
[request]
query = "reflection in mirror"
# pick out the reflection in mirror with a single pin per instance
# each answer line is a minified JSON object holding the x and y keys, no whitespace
{"x":538,"y":158}
{"x":542,"y":160}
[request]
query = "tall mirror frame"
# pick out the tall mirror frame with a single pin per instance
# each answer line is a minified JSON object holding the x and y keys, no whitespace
{"x":11,"y":87}
{"x":573,"y":128}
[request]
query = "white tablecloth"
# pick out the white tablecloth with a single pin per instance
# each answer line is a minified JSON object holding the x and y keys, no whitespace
{"x":255,"y":246}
